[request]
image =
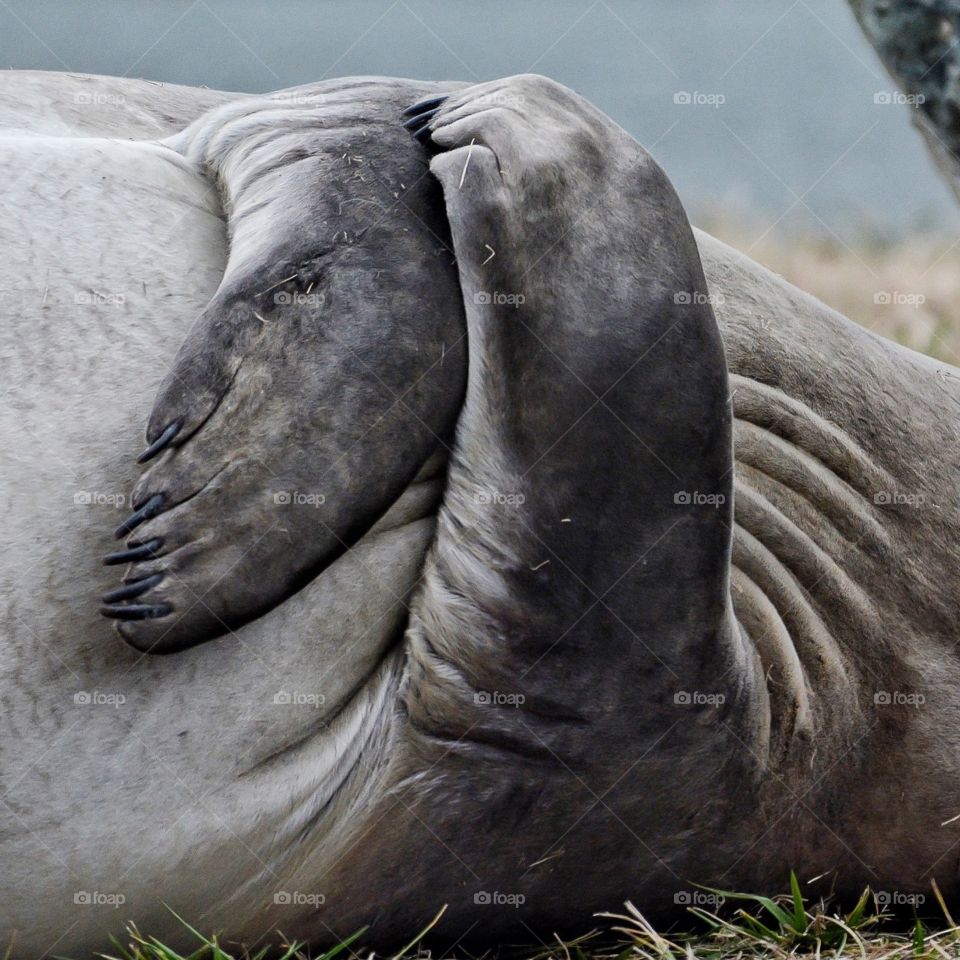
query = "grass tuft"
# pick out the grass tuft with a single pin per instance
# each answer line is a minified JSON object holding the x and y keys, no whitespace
{"x":788,"y":926}
{"x":744,"y":926}
{"x":140,"y":947}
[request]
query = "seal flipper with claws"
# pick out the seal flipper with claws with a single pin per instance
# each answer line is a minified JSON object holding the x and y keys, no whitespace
{"x":323,"y":373}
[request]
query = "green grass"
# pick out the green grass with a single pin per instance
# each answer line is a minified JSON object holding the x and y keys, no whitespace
{"x":790,"y":926}
{"x":140,"y":947}
{"x":746,"y":926}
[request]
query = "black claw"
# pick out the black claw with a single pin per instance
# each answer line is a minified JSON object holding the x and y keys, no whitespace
{"x":136,"y":611}
{"x":130,"y":590}
{"x":169,"y":432}
{"x":423,"y":135}
{"x":423,"y":105}
{"x":145,"y":551}
{"x":147,"y":512}
{"x":420,"y":119}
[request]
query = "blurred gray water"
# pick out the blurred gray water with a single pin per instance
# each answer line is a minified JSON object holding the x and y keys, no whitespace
{"x":783,"y":127}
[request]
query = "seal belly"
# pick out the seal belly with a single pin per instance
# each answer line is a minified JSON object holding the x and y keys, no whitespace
{"x":111,"y":249}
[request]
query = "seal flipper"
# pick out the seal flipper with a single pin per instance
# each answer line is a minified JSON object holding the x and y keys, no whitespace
{"x":581,"y":561}
{"x":326,"y":369}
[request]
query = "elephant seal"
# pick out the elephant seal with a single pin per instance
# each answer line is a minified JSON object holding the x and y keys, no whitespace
{"x":563,"y":667}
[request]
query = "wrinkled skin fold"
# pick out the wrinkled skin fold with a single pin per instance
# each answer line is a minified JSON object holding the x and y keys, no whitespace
{"x":610,"y":562}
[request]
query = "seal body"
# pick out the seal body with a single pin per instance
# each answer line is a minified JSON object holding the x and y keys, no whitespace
{"x":669,"y":596}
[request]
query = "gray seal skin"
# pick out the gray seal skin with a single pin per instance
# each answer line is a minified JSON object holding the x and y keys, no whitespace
{"x":328,"y":365}
{"x":680,"y":608}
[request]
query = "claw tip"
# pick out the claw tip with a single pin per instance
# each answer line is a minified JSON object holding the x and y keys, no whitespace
{"x":166,"y":435}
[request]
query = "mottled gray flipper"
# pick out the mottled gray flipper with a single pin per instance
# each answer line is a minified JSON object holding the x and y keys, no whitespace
{"x":323,"y":373}
{"x":588,"y":513}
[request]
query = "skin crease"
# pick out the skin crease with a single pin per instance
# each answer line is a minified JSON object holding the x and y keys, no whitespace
{"x":439,"y":715}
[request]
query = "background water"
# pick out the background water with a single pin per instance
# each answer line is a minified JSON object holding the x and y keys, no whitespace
{"x":786,"y":134}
